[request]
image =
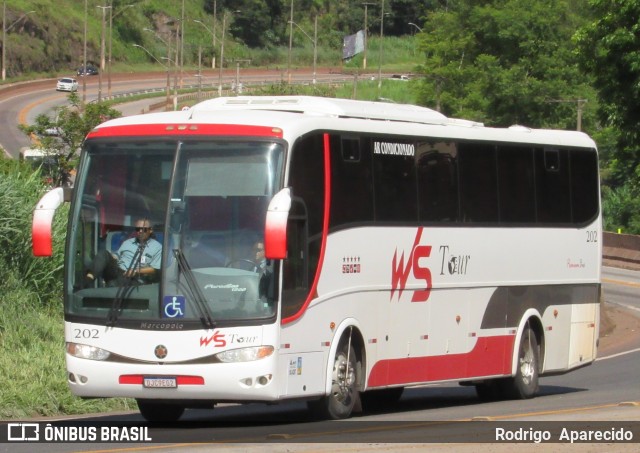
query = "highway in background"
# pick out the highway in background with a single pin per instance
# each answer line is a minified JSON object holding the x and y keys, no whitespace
{"x":22,"y":102}
{"x":621,"y":288}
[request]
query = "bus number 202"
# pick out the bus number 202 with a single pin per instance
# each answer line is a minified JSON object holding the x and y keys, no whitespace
{"x":85,"y":333}
{"x":592,"y":236}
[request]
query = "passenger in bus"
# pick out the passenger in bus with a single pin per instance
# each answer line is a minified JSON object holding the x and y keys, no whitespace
{"x":138,"y":259}
{"x":265,"y":271}
{"x":259,"y":257}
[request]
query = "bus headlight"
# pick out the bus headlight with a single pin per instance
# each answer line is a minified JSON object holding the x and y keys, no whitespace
{"x":84,"y":351}
{"x":245,"y":354}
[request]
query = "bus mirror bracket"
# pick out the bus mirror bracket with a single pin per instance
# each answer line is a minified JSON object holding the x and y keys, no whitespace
{"x":275,"y":230}
{"x":41,"y":235}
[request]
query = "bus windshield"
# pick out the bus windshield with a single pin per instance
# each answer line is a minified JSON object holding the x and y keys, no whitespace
{"x":169,"y":234}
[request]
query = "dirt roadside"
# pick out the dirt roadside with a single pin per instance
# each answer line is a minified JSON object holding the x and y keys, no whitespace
{"x":619,"y":330}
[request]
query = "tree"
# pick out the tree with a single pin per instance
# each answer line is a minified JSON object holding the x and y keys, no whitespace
{"x":445,"y":42}
{"x":504,"y":62}
{"x":609,"y":49}
{"x":63,"y":135}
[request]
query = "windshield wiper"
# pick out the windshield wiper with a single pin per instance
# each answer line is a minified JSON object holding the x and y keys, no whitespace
{"x":205,"y":314}
{"x":124,"y":290}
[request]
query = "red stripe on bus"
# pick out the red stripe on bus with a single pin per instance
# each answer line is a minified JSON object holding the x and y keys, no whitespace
{"x":137,"y":379}
{"x":490,"y":356}
{"x":313,"y":293}
{"x":160,"y":130}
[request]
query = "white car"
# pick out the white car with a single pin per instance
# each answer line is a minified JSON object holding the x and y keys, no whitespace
{"x":67,"y":84}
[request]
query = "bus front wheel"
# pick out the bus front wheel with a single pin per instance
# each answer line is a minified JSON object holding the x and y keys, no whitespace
{"x":154,"y":411}
{"x":344,"y":395}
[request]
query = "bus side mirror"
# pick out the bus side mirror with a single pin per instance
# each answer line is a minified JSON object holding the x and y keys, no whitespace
{"x":275,"y":230}
{"x":41,"y":236}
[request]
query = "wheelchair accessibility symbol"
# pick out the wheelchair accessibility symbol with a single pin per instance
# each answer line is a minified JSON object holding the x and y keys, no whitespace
{"x":173,"y":306}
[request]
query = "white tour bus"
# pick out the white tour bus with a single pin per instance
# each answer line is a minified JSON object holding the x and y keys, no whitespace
{"x":402,"y":248}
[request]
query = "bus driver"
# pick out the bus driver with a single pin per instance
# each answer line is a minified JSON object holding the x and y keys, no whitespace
{"x":138,"y":258}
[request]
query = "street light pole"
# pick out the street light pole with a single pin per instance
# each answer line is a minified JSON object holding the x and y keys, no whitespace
{"x":102,"y":53}
{"x":215,"y":12}
{"x":110,"y":43}
{"x":224,"y":26}
{"x":380,"y":56}
{"x":4,"y":39}
{"x":414,"y":25}
{"x":315,"y":44}
{"x":366,"y":33}
{"x":168,"y":102}
{"x":213,"y":34}
{"x":84,"y":55}
{"x":111,"y":16}
{"x":290,"y":44}
{"x":182,"y":27}
{"x":169,"y":60}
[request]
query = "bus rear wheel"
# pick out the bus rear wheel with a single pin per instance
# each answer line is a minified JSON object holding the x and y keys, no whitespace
{"x":344,"y":386}
{"x":154,"y":411}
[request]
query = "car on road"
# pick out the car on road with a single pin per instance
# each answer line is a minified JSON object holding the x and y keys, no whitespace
{"x":67,"y":84}
{"x":88,"y":70}
{"x":400,"y":77}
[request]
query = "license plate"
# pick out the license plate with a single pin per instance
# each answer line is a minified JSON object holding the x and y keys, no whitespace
{"x":157,"y":382}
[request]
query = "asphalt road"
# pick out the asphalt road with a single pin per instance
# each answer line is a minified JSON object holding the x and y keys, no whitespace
{"x":621,"y":288}
{"x":20,"y":103}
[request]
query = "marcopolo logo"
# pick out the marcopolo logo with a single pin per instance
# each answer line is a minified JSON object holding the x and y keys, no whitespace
{"x":400,"y":271}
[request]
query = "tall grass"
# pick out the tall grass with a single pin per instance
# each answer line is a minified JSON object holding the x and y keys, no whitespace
{"x":32,"y":371}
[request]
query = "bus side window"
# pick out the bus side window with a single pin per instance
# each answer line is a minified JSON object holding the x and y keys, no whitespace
{"x":553,"y":188}
{"x":516,"y":185}
{"x":295,"y":266}
{"x":584,"y":185}
{"x":351,"y":182}
{"x":438,"y":183}
{"x":478,"y":182}
{"x":395,"y":186}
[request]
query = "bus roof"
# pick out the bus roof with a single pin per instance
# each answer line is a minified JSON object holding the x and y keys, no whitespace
{"x":330,"y":113}
{"x":330,"y":107}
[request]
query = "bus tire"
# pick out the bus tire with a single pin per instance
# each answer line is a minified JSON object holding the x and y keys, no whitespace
{"x":524,"y":384}
{"x":344,"y":394}
{"x":153,"y":411}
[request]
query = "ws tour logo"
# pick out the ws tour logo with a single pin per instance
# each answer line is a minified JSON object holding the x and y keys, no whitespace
{"x":400,"y":271}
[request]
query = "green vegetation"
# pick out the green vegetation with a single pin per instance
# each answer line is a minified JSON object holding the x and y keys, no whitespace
{"x":73,"y":123}
{"x":31,"y":330}
{"x":49,"y":41}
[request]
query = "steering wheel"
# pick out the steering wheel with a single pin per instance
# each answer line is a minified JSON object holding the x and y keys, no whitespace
{"x":241,"y":260}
